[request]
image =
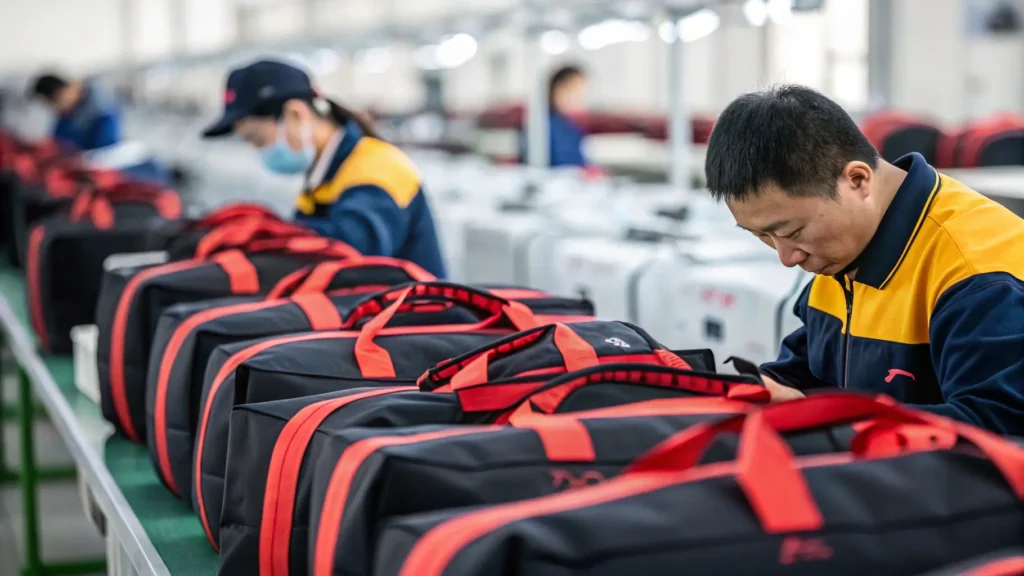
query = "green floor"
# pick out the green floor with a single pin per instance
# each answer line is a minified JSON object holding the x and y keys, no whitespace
{"x":172,"y":528}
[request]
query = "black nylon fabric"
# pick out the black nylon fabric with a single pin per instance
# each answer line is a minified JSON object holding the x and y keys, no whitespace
{"x":68,"y":259}
{"x":255,"y":429}
{"x":505,"y":465}
{"x":29,"y":205}
{"x":884,"y":517}
{"x":204,"y":281}
{"x":305,"y":368}
{"x":189,"y":363}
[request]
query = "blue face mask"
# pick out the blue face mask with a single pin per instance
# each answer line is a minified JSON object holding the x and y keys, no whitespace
{"x":280,"y":158}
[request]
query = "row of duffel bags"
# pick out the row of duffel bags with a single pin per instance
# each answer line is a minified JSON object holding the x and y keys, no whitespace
{"x":510,"y":387}
{"x":333,"y":452}
{"x":310,"y":452}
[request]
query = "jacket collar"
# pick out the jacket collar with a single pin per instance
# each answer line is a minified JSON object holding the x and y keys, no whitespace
{"x":899,"y":227}
{"x":335,"y":153}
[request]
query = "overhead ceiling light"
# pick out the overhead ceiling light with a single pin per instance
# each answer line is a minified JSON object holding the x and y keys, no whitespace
{"x":756,"y":12}
{"x":611,"y":32}
{"x":780,"y":11}
{"x":456,"y":50}
{"x":451,"y":52}
{"x":554,"y":42}
{"x":698,"y":25}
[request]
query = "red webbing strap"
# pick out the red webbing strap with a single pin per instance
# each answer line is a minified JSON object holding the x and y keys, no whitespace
{"x":576,"y":353}
{"x":325,"y":273}
{"x":302,"y":244}
{"x":519,"y":315}
{"x":239,"y":233}
{"x":319,"y":278}
{"x":283,"y":477}
{"x":321,"y":313}
{"x":548,"y":398}
{"x":373,"y":360}
{"x":766,"y":470}
{"x":235,"y":212}
{"x":241,"y":272}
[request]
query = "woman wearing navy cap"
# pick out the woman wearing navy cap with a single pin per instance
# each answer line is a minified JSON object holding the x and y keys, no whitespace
{"x":359,"y":189}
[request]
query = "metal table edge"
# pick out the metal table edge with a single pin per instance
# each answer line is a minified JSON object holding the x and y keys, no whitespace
{"x":119,"y":514}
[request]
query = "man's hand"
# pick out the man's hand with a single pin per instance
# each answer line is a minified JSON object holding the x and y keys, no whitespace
{"x":779,"y":392}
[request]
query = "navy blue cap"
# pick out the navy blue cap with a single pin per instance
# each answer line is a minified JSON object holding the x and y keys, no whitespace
{"x":253,"y":85}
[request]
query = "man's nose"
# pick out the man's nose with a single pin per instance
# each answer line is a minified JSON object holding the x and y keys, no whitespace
{"x":789,"y":255}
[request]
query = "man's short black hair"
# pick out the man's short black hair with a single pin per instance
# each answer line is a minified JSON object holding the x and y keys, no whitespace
{"x":47,"y":86}
{"x":789,"y":136}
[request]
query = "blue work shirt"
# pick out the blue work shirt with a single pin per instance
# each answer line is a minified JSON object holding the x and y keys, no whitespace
{"x":369,"y":194}
{"x":565,"y":142}
{"x":95,"y":122}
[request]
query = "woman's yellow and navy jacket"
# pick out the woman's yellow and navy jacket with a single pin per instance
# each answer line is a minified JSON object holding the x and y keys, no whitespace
{"x":935,"y":316}
{"x":369,"y":194}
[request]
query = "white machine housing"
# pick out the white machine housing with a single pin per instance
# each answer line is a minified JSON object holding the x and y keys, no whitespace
{"x":741,"y":309}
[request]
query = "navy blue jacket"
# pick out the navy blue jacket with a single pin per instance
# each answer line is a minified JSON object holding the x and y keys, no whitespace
{"x":95,"y":122}
{"x":935,"y":316}
{"x":565,"y":142}
{"x":370,"y":195}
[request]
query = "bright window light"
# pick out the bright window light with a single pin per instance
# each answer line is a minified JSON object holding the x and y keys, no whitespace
{"x":780,"y":11}
{"x":612,"y":32}
{"x":554,"y":42}
{"x":374,"y":60}
{"x":756,"y":12}
{"x":698,"y":25}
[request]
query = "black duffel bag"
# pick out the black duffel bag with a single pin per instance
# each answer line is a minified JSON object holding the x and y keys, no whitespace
{"x":66,"y":252}
{"x":914,"y":493}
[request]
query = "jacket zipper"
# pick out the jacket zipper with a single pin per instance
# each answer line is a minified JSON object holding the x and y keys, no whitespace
{"x":848,"y":293}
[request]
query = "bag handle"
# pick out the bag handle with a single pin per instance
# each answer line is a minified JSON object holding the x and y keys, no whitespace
{"x":235,"y":212}
{"x":375,"y":362}
{"x":387,"y":303}
{"x":565,"y":438}
{"x":472,"y":369}
{"x":318,"y":278}
{"x":766,"y":469}
{"x":546,"y":397}
{"x":98,"y":203}
{"x":242,"y":232}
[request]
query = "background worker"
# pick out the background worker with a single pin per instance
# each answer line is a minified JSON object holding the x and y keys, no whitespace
{"x":358,"y":188}
{"x":566,"y":98}
{"x":88,"y":117}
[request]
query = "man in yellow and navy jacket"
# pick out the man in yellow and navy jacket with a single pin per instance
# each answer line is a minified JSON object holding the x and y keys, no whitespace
{"x":359,"y":189}
{"x":919,"y":292}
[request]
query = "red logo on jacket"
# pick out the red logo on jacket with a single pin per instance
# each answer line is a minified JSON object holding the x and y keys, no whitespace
{"x":894,"y":372}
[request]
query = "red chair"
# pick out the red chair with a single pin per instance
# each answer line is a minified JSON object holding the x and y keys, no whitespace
{"x":895,"y":133}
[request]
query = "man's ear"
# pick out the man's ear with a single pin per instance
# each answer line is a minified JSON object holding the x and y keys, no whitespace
{"x":858,"y":175}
